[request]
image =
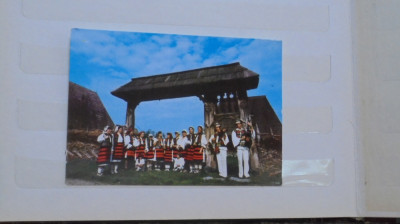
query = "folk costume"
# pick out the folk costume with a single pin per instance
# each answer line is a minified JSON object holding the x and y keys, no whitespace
{"x":242,"y":140}
{"x":168,"y":152}
{"x":131,"y":143}
{"x":190,"y":150}
{"x":183,"y":144}
{"x":175,"y":147}
{"x":150,"y":152}
{"x":140,"y":163}
{"x":159,"y":153}
{"x":141,"y":146}
{"x":117,"y":151}
{"x":219,"y":142}
{"x":199,"y":150}
{"x":103,"y":158}
{"x":179,"y":164}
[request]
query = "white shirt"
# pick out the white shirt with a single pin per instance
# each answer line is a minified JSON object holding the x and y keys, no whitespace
{"x":128,"y":144}
{"x":141,"y":162}
{"x":102,"y":137}
{"x":168,"y":142}
{"x":236,"y":140}
{"x":141,"y":141}
{"x":148,"y":142}
{"x":179,"y":162}
{"x":135,"y":142}
{"x":161,"y":142}
{"x":177,"y":140}
{"x":183,"y":141}
{"x":203,"y":141}
{"x":225,"y":140}
{"x":120,"y":138}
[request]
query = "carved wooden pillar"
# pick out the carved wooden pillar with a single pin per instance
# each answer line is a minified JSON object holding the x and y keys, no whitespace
{"x":210,"y":107}
{"x":243,"y":105}
{"x":243,"y":110}
{"x":209,"y":112}
{"x":130,"y":114}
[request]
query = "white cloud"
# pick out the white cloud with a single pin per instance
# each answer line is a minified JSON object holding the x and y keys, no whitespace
{"x":118,"y":74}
{"x":230,"y":53}
{"x":159,"y":54}
{"x":162,"y":40}
{"x":163,"y":54}
{"x":100,"y":61}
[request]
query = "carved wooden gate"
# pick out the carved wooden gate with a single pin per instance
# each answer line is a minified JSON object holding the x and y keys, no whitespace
{"x":223,"y":90}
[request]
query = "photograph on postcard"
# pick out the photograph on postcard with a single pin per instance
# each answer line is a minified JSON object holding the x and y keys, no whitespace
{"x":167,"y":109}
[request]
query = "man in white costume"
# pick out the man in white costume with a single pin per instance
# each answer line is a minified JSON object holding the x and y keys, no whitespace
{"x":242,"y":140}
{"x":219,"y":142}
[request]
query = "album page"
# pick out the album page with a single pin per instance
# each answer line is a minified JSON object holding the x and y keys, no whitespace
{"x":376,"y":53}
{"x":264,"y":91}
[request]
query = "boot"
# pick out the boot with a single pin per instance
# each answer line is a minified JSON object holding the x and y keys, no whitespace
{"x":191,"y":169}
{"x":112,"y":169}
{"x":100,"y":171}
{"x":149,"y":167}
{"x":116,"y":168}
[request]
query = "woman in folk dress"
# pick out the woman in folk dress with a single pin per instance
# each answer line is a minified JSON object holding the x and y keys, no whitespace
{"x":103,"y":158}
{"x":118,"y":149}
{"x":159,"y":151}
{"x":168,"y":151}
{"x":198,"y":152}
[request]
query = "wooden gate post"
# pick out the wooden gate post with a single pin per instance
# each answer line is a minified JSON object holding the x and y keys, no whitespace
{"x":130,"y":114}
{"x":209,"y":112}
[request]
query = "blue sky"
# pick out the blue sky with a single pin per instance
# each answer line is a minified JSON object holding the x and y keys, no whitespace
{"x":105,"y":60}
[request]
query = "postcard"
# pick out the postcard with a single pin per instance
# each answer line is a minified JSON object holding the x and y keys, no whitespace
{"x":163,"y":109}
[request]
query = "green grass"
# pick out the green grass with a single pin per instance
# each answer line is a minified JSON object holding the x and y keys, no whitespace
{"x":85,"y":170}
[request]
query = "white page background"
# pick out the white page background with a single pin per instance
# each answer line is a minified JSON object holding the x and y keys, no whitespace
{"x":377,"y":54}
{"x":317,"y":122}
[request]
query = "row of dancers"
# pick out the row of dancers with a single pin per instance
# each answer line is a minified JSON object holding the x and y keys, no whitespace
{"x":185,"y":153}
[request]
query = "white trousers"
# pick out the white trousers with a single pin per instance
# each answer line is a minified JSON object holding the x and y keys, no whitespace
{"x":243,"y":159}
{"x":221,"y":159}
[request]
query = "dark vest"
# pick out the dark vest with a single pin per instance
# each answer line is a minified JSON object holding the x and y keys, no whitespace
{"x":150,"y":144}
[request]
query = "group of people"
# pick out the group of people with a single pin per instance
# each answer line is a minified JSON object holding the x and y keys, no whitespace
{"x":182,"y":153}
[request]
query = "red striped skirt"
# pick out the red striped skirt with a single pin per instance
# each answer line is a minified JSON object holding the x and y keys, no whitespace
{"x":183,"y":153}
{"x":140,"y":151}
{"x":150,"y":154}
{"x":197,"y":155}
{"x":175,"y":152}
{"x":168,"y":155}
{"x":189,"y":153}
{"x":130,"y":153}
{"x":160,"y":154}
{"x":104,"y":155}
{"x":118,"y":151}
